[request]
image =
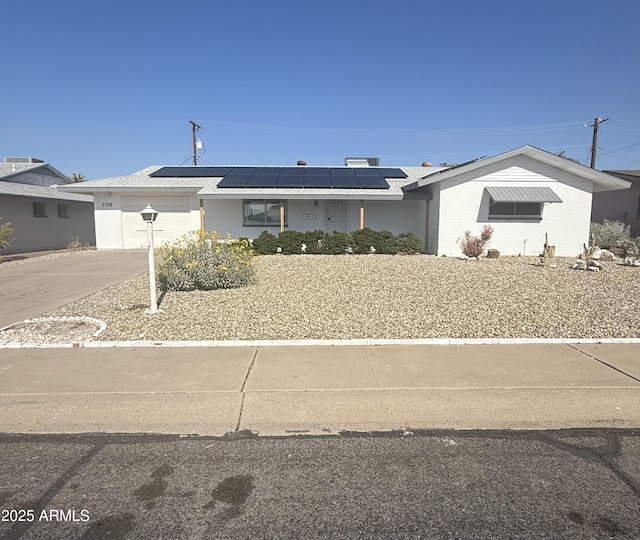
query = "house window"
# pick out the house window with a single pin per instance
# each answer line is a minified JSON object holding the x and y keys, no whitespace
{"x":638,"y":209}
{"x":261,"y":213}
{"x":63,"y":211}
{"x":525,"y":210}
{"x":39,"y":209}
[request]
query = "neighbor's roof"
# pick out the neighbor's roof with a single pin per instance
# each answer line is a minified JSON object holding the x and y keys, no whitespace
{"x":601,"y":180}
{"x":8,"y":170}
{"x":15,"y":189}
{"x":628,"y":175}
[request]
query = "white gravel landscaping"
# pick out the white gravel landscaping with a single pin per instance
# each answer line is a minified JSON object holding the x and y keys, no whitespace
{"x":381,"y":297}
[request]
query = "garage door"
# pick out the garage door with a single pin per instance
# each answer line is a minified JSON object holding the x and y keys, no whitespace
{"x":174,"y":220}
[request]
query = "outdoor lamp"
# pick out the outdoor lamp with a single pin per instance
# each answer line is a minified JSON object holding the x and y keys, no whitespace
{"x":149,"y":215}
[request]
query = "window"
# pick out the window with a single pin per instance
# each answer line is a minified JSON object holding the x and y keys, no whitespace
{"x":39,"y":209}
{"x":63,"y":211}
{"x":525,"y":210}
{"x":638,"y":209}
{"x":261,"y":213}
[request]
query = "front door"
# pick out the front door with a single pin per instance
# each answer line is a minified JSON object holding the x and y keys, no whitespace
{"x":336,"y":216}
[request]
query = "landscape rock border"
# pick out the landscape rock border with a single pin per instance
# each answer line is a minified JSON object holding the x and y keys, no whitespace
{"x":35,"y":338}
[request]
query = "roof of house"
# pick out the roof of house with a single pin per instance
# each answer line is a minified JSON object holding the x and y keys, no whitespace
{"x":12,"y":186}
{"x":601,"y":180}
{"x":207,"y":186}
{"x":628,"y":175}
{"x":171,"y":179}
{"x":10,"y":170}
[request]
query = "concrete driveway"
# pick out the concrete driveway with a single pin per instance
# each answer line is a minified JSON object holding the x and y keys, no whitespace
{"x":40,"y":284}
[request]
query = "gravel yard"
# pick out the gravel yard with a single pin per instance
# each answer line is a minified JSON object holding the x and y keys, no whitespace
{"x":382,"y":296}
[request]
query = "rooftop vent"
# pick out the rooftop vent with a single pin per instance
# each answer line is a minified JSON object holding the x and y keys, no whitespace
{"x":302,"y":163}
{"x":426,"y":164}
{"x":362,"y":162}
{"x":22,"y":160}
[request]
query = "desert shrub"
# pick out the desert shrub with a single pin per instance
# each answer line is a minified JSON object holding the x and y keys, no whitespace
{"x":78,"y":245}
{"x":6,"y":234}
{"x":290,"y":242}
{"x":409,"y":243}
{"x":265,"y":244}
{"x":314,"y":240}
{"x":473,"y":246}
{"x":336,"y":243}
{"x":204,"y":263}
{"x":610,"y":234}
{"x":383,"y":242}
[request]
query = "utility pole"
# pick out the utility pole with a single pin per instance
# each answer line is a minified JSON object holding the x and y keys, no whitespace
{"x":194,"y":129}
{"x":594,"y":144}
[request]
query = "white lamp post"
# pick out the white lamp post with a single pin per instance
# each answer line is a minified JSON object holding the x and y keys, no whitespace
{"x":149,"y":215}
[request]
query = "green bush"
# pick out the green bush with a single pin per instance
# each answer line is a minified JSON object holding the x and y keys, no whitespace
{"x":383,"y":242}
{"x":204,"y":263}
{"x":314,"y":240}
{"x":336,"y":243}
{"x":290,"y":242}
{"x":409,"y":243}
{"x":6,"y":235}
{"x":265,"y":244}
{"x":610,"y":234}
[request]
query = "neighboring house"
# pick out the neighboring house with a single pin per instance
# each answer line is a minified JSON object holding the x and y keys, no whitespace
{"x":43,"y":217}
{"x":620,"y":205}
{"x":523,"y":194}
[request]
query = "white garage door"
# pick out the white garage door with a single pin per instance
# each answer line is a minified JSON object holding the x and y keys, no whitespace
{"x":174,"y":220}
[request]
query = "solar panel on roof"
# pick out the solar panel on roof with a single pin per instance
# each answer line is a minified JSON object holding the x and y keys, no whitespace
{"x":343,"y":172}
{"x":393,"y":173}
{"x":317,"y":182}
{"x":290,"y":181}
{"x":292,"y":171}
{"x":234,"y":181}
{"x":373,"y":182}
{"x":242,"y":170}
{"x":190,"y":172}
{"x":165,"y":172}
{"x":216,"y":171}
{"x":317,"y":171}
{"x":362,"y":172}
{"x":262,"y":180}
{"x":345,"y":182}
{"x":261,"y":171}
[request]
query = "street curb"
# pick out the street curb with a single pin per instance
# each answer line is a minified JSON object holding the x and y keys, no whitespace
{"x":323,"y":343}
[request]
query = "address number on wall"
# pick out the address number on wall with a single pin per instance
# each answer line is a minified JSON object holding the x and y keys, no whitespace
{"x":107,"y":205}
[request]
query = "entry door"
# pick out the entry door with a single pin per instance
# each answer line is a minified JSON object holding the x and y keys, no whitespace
{"x":336,"y":216}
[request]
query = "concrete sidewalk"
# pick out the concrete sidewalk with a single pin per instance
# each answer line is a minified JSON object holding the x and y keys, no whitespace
{"x":319,"y":390}
{"x":41,"y":284}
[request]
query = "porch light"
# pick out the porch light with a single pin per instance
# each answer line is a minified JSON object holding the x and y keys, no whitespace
{"x":149,"y":215}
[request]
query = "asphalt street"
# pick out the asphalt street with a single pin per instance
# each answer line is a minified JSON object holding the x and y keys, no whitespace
{"x":582,"y":484}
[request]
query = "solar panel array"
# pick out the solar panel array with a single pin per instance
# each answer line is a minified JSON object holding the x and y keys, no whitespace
{"x":289,"y":177}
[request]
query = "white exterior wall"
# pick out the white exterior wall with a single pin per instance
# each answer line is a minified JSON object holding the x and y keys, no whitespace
{"x":52,"y":232}
{"x":109,"y":215}
{"x":464,"y":205}
{"x":434,"y":220}
{"x":225,"y":216}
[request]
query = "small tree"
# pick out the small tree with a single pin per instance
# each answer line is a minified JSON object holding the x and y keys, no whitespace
{"x":6,"y":234}
{"x":77,"y":177}
{"x":473,"y":246}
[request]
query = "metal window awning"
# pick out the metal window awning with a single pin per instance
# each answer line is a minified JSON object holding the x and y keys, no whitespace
{"x":523,"y":194}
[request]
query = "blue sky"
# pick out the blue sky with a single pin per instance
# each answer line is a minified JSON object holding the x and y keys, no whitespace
{"x":108,"y":88}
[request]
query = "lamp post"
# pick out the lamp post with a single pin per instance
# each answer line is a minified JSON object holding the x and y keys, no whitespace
{"x":149,"y":215}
